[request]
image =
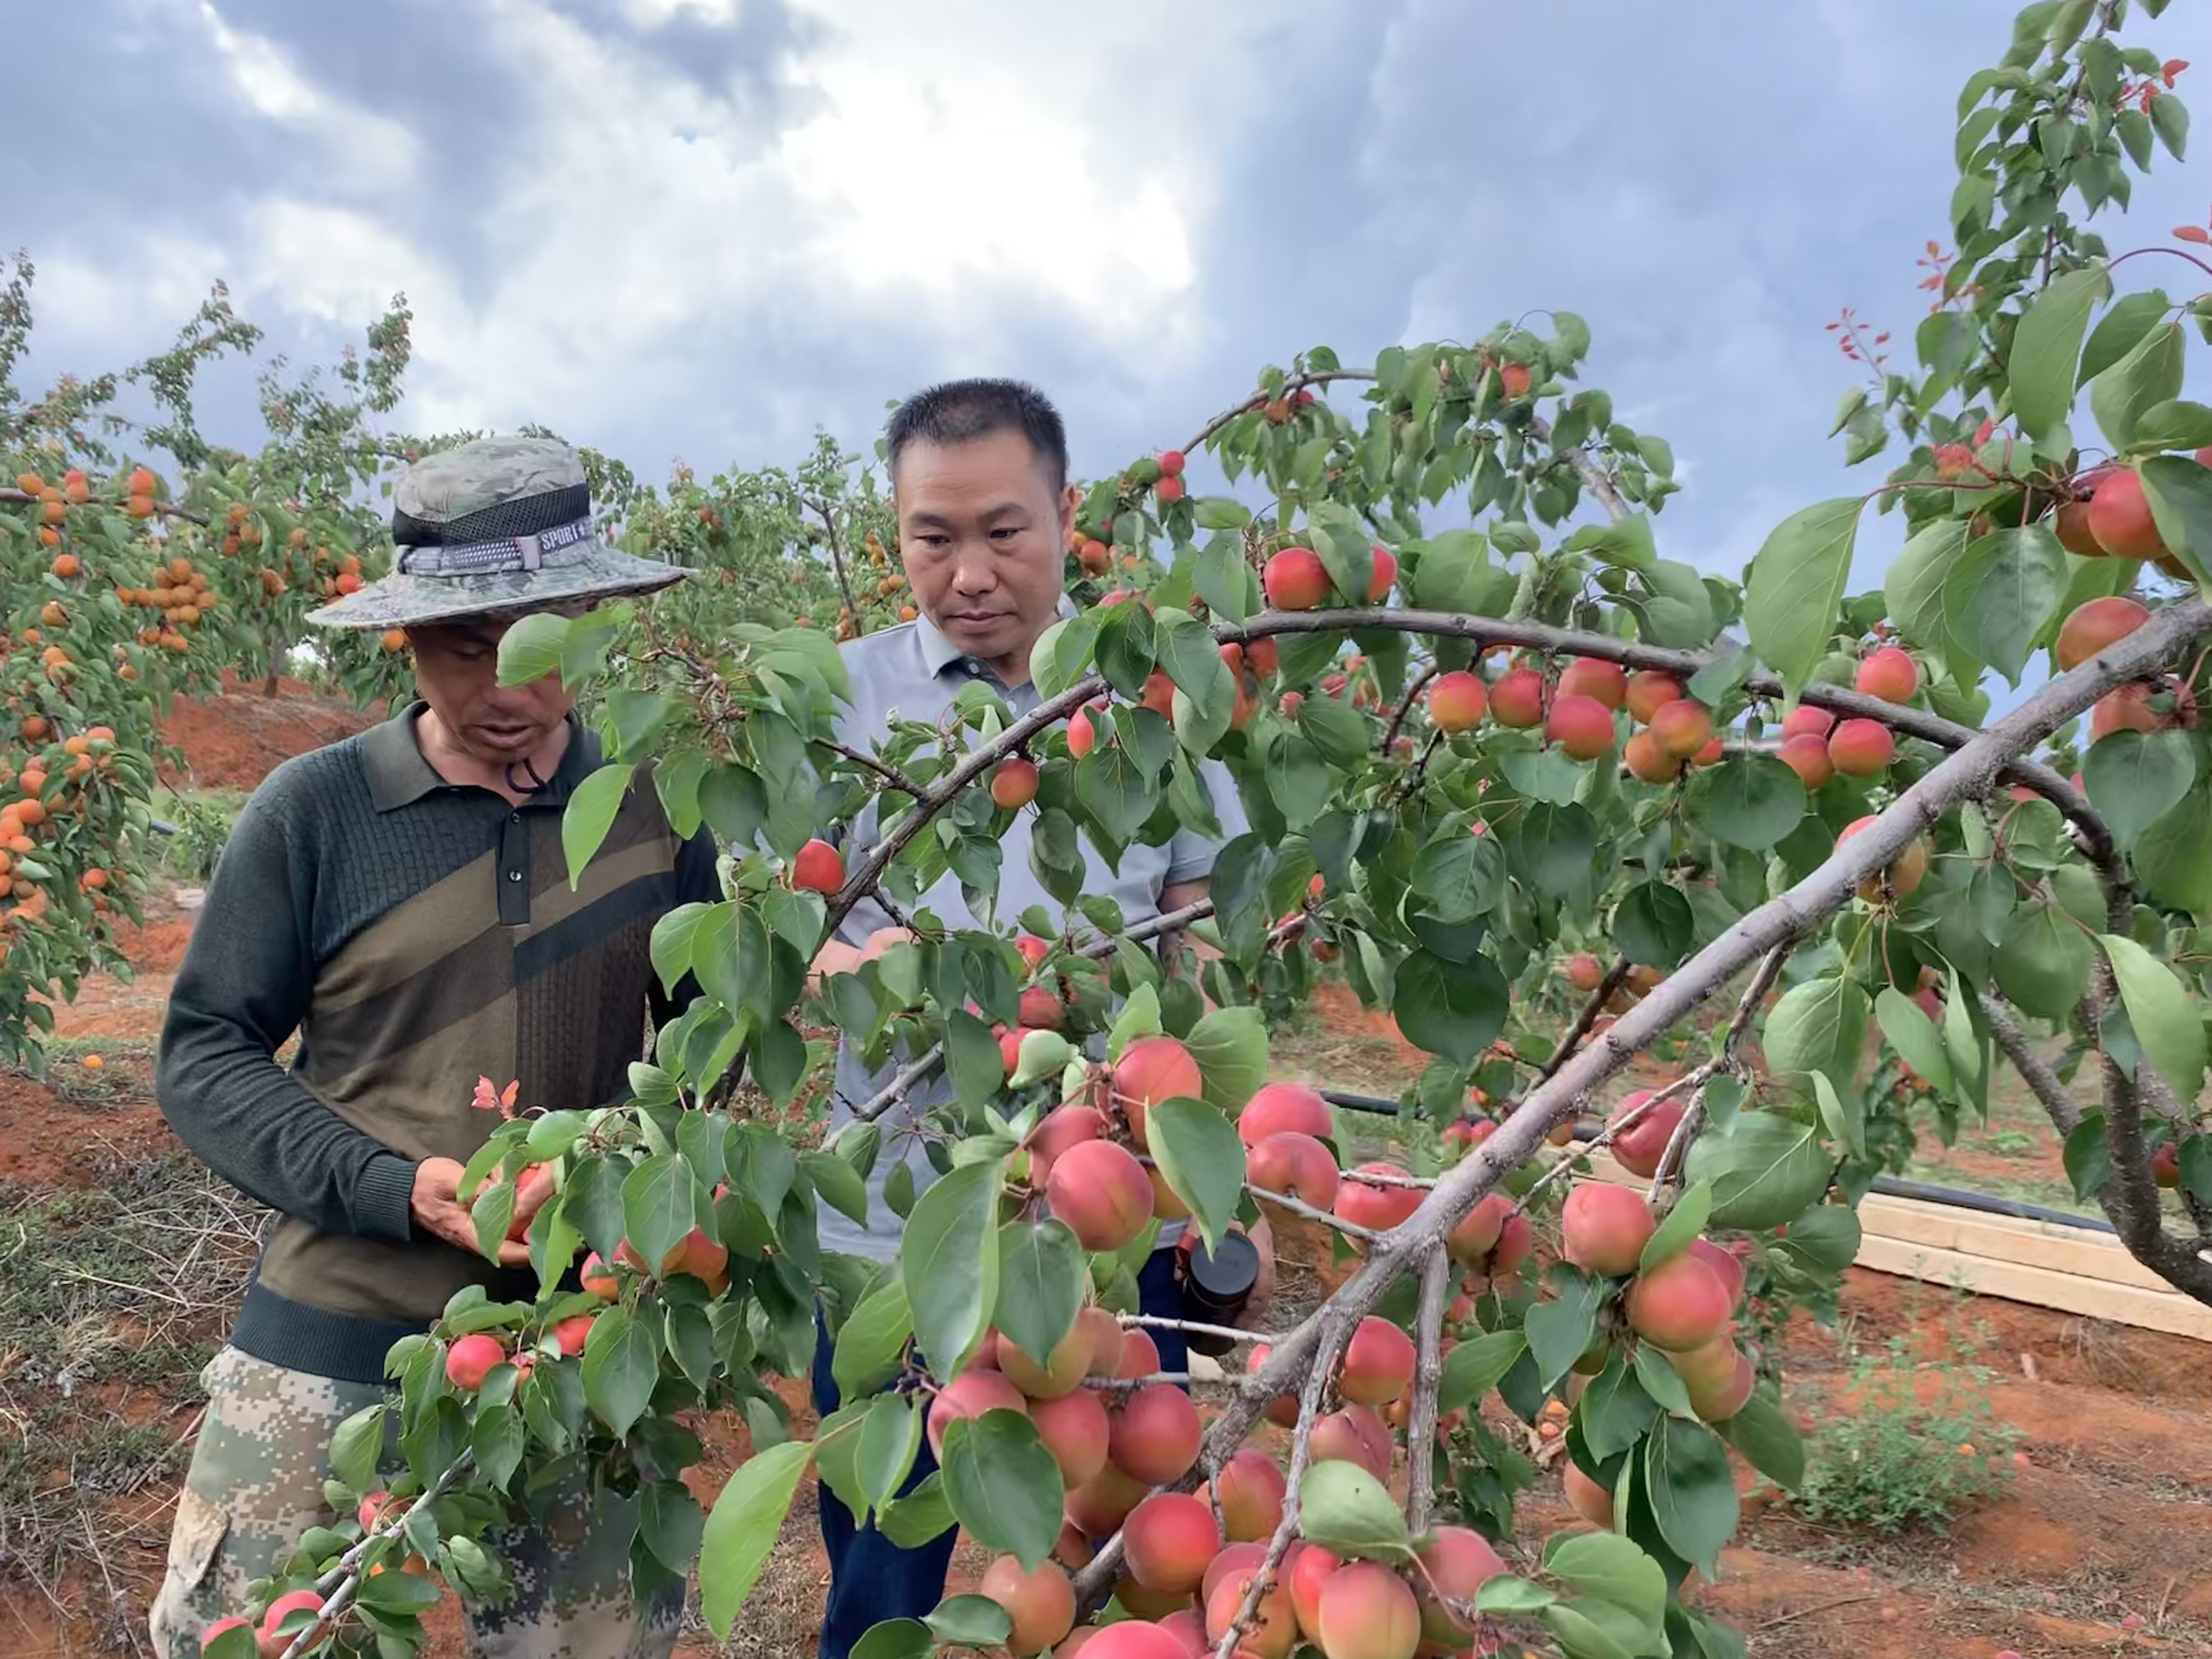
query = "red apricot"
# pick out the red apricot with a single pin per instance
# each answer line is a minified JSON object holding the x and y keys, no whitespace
{"x":1457,"y":702}
{"x":1168,"y":1540}
{"x":1295,"y":579}
{"x":1378,"y":1208}
{"x":1860,"y":747}
{"x":1719,"y":1379}
{"x":1594,"y":678}
{"x":1378,"y":1363}
{"x":1357,"y":1435}
{"x":968,"y":1396}
{"x":1131,"y":1639}
{"x":1807,"y":722}
{"x":2120,"y":517}
{"x":472,"y":1358}
{"x":2126,"y":709}
{"x":1297,"y":1166}
{"x":1106,"y":1343}
{"x":1368,"y":1611}
{"x":1681,"y":728}
{"x":1476,"y":1237}
{"x":1589,"y":1499}
{"x":2094,"y":626}
{"x":1606,"y":1228}
{"x":1014,"y":784}
{"x":1074,"y":1430}
{"x":1040,"y":1010}
{"x":1647,"y":761}
{"x":1154,"y":1438}
{"x":1040,"y":1604}
{"x":1517,"y":699}
{"x":1305,"y":1569}
{"x":1459,"y":1561}
{"x":1904,"y":875}
{"x":1059,"y":1372}
{"x":1638,"y":1148}
{"x":1082,"y":735}
{"x":1280,"y":1106}
{"x":1153,"y":1069}
{"x":1250,"y":1492}
{"x":1807,"y":755}
{"x":1382,"y":574}
{"x":1890,"y":674}
{"x":2166,"y":1165}
{"x":1101,"y":1191}
{"x":1649,"y":691}
{"x":1679,"y":1305}
{"x":1062,"y":1127}
{"x":819,"y":868}
{"x":1273,"y":1630}
{"x":1581,"y":726}
{"x":1725,"y":1263}
{"x":1238,"y":1555}
{"x":1140,"y":1355}
{"x":1102,"y":1503}
{"x":1585,"y":972}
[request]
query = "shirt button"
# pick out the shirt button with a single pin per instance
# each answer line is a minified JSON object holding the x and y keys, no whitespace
{"x":515,"y":875}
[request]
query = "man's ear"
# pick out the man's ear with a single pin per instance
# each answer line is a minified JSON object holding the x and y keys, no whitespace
{"x":1071,"y":497}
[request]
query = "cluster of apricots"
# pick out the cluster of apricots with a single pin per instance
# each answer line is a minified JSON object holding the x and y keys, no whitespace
{"x":2109,"y":516}
{"x":36,"y":794}
{"x":180,"y":593}
{"x":1670,"y":730}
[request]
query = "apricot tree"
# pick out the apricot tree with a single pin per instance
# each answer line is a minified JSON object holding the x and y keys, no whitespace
{"x":1543,"y":866}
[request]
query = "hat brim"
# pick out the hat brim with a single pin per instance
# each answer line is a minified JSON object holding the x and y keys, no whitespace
{"x":404,"y":600}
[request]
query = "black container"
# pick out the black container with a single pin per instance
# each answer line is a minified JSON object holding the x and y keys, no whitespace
{"x":1216,"y":1286}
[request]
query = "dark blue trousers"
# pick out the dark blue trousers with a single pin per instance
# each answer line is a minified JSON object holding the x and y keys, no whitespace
{"x":872,"y":1579}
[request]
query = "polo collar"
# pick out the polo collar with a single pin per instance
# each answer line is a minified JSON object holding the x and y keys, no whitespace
{"x":399,"y":774}
{"x":939,"y":653}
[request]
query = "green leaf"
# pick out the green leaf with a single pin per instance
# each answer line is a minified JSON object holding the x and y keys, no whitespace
{"x":1231,"y":1047}
{"x":2168,"y":1022}
{"x":1653,"y":924}
{"x":2087,"y":1158}
{"x":590,"y":814}
{"x":2179,"y":491}
{"x":2169,"y":118}
{"x":670,"y":945}
{"x":743,"y":1528}
{"x":871,"y":1340}
{"x":622,"y":1363}
{"x":1043,"y":1273}
{"x":1914,"y":1036}
{"x":1346,"y":1510}
{"x":358,"y":1446}
{"x":660,"y":1200}
{"x":2001,"y":592}
{"x":1341,"y":732}
{"x":2135,"y":778}
{"x":1748,"y":801}
{"x":1607,"y":1567}
{"x":1004,"y":1485}
{"x":1614,"y":1411}
{"x":1453,"y":574}
{"x":1452,"y":1009}
{"x":1913,"y":588}
{"x":532,"y":647}
{"x":1201,"y":1159}
{"x":1682,"y":1225}
{"x":972,"y":1060}
{"x":1766,"y":1172}
{"x":1795,"y":589}
{"x":1192,"y":657}
{"x":2044,"y":961}
{"x":1692,"y":1490}
{"x":2048,"y":343}
{"x":1559,"y":1330}
{"x":2169,"y":854}
{"x":1845,"y":1117}
{"x":1220,"y":513}
{"x":1768,"y":1439}
{"x":670,"y":1524}
{"x":1817,"y":1026}
{"x":891,"y":1435}
{"x":1824,"y":1241}
{"x":896,"y":1638}
{"x":2180,"y":424}
{"x":970,"y":1621}
{"x":1504,"y":1595}
{"x":1475,"y":1367}
{"x":949,"y":1264}
{"x":2151,"y":373}
{"x":1458,"y":877}
{"x":838,"y":1184}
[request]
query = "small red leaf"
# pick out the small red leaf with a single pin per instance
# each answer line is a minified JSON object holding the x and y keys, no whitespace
{"x":2192,"y":233}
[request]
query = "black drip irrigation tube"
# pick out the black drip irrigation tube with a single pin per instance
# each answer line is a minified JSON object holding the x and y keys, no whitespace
{"x":1889,"y":1186}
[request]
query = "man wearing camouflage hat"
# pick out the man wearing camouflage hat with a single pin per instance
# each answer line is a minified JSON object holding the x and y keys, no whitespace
{"x":401,"y":901}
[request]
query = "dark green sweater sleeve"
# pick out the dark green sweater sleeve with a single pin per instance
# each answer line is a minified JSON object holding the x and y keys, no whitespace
{"x":241,"y":993}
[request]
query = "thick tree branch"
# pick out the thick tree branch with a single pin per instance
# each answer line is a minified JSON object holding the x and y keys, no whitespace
{"x":1428,"y":1374}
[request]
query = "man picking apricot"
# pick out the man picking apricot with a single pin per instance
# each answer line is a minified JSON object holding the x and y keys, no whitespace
{"x":401,"y":902}
{"x":979,"y":477}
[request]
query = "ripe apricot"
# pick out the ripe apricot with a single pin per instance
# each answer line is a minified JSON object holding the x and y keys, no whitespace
{"x":1130,"y":1638}
{"x":1062,"y":1127}
{"x":1472,"y":1242}
{"x":1059,"y":1372}
{"x":1357,"y":1435}
{"x":1283,"y":1409}
{"x":1682,"y":727}
{"x":1517,"y":699}
{"x":1295,"y":579}
{"x":1140,"y":1355}
{"x":1649,"y":691}
{"x":1379,"y":1208}
{"x":1273,"y":1630}
{"x":1719,"y":1379}
{"x":1457,"y":702}
{"x":1647,"y":761}
{"x":1377,"y":1364}
{"x":1154,"y":1438}
{"x":2126,"y":709}
{"x":1014,"y":784}
{"x":1250,"y":1493}
{"x":1807,"y":754}
{"x":1678,"y":1305}
{"x":1638,"y":1148}
{"x":1459,"y":1561}
{"x":30,"y":483}
{"x":1367,"y":1612}
{"x":1581,"y":726}
{"x":1807,"y":722}
{"x":1382,"y":575}
{"x":2093,"y":627}
{"x":1082,"y":735}
{"x":1074,"y":1430}
{"x":819,"y":868}
{"x":1040,"y":1605}
{"x":968,"y":1396}
{"x":1105,"y":1333}
{"x":1168,"y":1541}
{"x":66,"y":566}
{"x":1860,"y":747}
{"x":1101,"y":1191}
{"x":471,"y":1359}
{"x":1297,"y":1166}
{"x":1275,"y":1107}
{"x":1725,"y":1264}
{"x":1102,"y":1503}
{"x":1903,"y":876}
{"x":1591,"y":1501}
{"x":1606,"y":1228}
{"x":1594,"y":678}
{"x":2120,"y":517}
{"x":1153,"y":1069}
{"x":1889,"y":674}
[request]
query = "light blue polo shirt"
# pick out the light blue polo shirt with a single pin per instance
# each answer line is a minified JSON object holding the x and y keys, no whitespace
{"x":914,"y":673}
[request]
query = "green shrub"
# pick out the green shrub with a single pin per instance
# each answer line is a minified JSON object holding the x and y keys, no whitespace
{"x":1899,"y":1454}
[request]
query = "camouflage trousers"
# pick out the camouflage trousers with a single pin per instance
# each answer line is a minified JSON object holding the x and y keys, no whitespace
{"x":255,"y":1485}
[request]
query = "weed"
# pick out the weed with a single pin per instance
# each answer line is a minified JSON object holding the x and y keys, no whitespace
{"x":1911,"y":1447}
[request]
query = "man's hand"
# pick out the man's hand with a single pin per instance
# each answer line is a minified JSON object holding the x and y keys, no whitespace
{"x":437,"y":1209}
{"x":839,"y":958}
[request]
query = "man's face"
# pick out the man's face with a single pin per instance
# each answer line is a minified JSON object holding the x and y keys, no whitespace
{"x":457,"y":670}
{"x":984,"y":536}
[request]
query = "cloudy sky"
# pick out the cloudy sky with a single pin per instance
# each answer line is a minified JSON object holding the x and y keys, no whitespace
{"x":700,"y":228}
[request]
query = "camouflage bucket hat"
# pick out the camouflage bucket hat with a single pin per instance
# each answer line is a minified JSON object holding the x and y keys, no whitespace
{"x":499,"y":525}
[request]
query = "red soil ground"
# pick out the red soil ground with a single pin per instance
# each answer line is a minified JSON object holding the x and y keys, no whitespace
{"x":2102,"y":1544}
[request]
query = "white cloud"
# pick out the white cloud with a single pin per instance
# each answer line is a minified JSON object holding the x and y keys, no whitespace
{"x":367,"y":151}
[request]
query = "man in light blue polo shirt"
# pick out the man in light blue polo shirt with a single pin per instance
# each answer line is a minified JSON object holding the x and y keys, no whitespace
{"x":979,"y":476}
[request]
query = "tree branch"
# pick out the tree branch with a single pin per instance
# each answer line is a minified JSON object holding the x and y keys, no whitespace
{"x":1429,"y":1370}
{"x":1693,"y":1122}
{"x":1614,"y":977}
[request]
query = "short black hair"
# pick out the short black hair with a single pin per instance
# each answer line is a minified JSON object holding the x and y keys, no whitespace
{"x":961,"y":411}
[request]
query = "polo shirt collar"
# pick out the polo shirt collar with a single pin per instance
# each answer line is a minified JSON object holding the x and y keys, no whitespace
{"x":399,"y":774}
{"x":939,"y":653}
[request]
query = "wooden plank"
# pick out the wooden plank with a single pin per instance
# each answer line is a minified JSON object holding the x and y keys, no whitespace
{"x":2067,"y":1269}
{"x":2093,"y":1298}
